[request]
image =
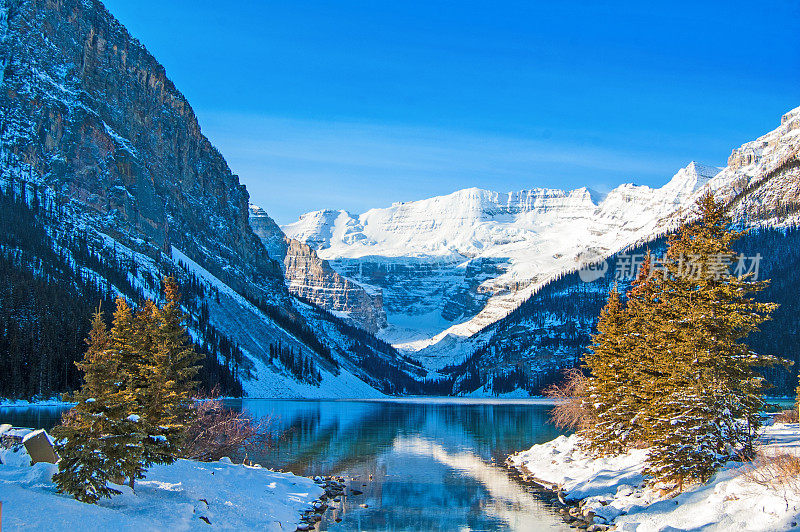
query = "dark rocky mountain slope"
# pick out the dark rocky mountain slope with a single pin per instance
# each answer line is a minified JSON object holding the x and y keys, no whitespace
{"x":109,"y":158}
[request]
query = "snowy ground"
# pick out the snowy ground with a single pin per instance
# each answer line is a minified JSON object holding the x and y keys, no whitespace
{"x":175,"y":497}
{"x":614,"y":489}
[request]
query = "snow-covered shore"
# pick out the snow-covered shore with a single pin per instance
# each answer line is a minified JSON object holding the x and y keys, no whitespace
{"x":614,"y":489}
{"x":186,"y":495}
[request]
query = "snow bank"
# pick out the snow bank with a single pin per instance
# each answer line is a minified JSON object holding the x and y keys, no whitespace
{"x":615,"y":489}
{"x":186,"y":495}
{"x":484,"y":392}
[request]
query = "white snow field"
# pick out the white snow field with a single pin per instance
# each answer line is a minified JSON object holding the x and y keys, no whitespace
{"x":614,"y":488}
{"x":181,"y":496}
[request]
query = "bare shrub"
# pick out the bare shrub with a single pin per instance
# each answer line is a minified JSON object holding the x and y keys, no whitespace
{"x":778,"y":472}
{"x":786,"y":416}
{"x":217,"y":431}
{"x":569,"y":411}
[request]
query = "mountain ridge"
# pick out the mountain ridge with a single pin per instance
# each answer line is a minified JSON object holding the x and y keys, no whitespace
{"x":493,"y":226}
{"x":523,"y":238}
{"x":110,"y":160}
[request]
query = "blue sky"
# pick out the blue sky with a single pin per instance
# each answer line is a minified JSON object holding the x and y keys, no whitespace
{"x":355,"y":105}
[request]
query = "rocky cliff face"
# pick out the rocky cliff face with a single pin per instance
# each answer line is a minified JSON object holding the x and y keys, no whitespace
{"x":93,"y":130}
{"x":313,"y":279}
{"x":87,"y":111}
{"x":762,"y":179}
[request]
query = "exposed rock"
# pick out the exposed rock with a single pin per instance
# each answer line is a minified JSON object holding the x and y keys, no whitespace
{"x":92,"y":127}
{"x":315,"y":280}
{"x":451,"y":265}
{"x":540,"y":338}
{"x":89,"y":112}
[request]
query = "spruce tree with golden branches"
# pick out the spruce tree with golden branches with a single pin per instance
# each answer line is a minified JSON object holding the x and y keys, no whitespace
{"x":171,"y":374}
{"x":705,"y":394}
{"x":645,"y":341}
{"x":126,"y":348}
{"x":620,"y":368}
{"x":97,"y":440}
{"x":135,"y":404}
{"x":147,"y":388}
{"x":604,"y":427}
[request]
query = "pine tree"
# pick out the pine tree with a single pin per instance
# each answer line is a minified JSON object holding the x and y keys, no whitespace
{"x":96,"y":436}
{"x":134,"y":406}
{"x":125,"y":347}
{"x":148,"y":385}
{"x":172,"y":376}
{"x":603,"y":428}
{"x":645,"y":341}
{"x":620,"y":369}
{"x":706,"y":394}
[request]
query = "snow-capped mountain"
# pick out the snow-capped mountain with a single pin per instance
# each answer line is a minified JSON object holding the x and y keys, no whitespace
{"x":112,"y":185}
{"x":451,"y":265}
{"x":117,"y":176}
{"x":761,"y":180}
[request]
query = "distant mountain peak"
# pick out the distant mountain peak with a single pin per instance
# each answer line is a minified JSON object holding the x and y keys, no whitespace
{"x":493,"y":249}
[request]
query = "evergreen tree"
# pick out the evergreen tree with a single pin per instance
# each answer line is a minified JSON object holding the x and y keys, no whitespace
{"x":620,"y":368}
{"x":603,"y":429}
{"x":644,"y":343}
{"x":96,"y":437}
{"x":148,"y":385}
{"x":705,"y":394}
{"x":134,"y":406}
{"x":125,"y":345}
{"x":171,"y":377}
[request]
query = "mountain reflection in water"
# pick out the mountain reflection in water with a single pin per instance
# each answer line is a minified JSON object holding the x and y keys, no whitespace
{"x":421,"y":464}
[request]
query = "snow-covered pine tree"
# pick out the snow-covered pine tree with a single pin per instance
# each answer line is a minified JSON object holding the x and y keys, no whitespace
{"x":149,"y":385}
{"x":641,"y":344}
{"x":705,"y":393}
{"x":621,"y":370}
{"x":603,"y":428}
{"x":126,"y":347}
{"x":175,"y":366}
{"x":134,"y":405}
{"x":94,"y":437}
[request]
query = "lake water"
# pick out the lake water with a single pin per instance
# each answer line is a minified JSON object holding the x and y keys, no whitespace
{"x":36,"y":417}
{"x":424,"y":464}
{"x":428,"y":464}
{"x":421,"y":465}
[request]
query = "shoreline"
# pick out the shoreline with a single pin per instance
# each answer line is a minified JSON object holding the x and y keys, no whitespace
{"x":571,"y":511}
{"x":611,"y":492}
{"x":238,"y":495}
{"x":334,"y":489}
